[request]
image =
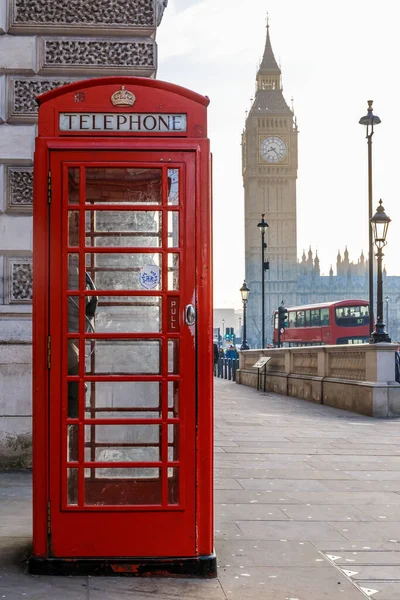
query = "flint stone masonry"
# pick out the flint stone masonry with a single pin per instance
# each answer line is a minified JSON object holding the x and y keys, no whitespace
{"x":18,"y":55}
{"x":361,"y":380}
{"x":76,"y":56}
{"x":66,"y":16}
{"x":22,"y":93}
{"x":18,"y":190}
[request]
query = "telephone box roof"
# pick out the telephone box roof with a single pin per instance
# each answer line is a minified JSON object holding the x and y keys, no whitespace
{"x":142,"y":81}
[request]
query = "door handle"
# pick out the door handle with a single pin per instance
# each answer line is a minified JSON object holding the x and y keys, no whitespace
{"x":190,"y":314}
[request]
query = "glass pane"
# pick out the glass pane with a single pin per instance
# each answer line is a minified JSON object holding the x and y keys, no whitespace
{"x":73,"y":370}
{"x":116,"y":228}
{"x":73,"y":185}
{"x":173,"y":272}
{"x":123,"y":399}
{"x":324,"y":316}
{"x":73,"y":314}
{"x":123,"y":443}
{"x":173,"y":485}
{"x":173,"y":356}
{"x":72,"y":443}
{"x":112,"y":271}
{"x":127,"y":314}
{"x":122,"y":486}
{"x":173,"y":229}
{"x":123,"y":356}
{"x":73,"y":228}
{"x":173,"y":186}
{"x":73,"y":271}
{"x":122,"y":185}
{"x":300,"y":318}
{"x":173,"y":443}
{"x":72,"y":487}
{"x":173,"y":399}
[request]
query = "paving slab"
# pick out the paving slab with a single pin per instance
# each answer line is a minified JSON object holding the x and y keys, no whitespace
{"x":380,"y":590}
{"x":368,"y":532}
{"x":274,"y":583}
{"x":109,"y":588}
{"x":293,"y":530}
{"x":356,"y":498}
{"x":267,"y":554}
{"x":325,"y":512}
{"x":367,"y":558}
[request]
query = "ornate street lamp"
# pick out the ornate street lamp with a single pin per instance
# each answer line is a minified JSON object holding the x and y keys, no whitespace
{"x":264,"y":267}
{"x":379,"y":226}
{"x":370,"y":120}
{"x":245,"y":291}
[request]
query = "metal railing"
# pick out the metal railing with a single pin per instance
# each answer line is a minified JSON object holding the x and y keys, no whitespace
{"x":225,"y":368}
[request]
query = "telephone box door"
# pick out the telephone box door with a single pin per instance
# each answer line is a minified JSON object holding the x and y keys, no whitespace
{"x":122,"y":334}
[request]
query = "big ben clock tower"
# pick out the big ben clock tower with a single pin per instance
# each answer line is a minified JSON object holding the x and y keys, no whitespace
{"x":269,"y":163}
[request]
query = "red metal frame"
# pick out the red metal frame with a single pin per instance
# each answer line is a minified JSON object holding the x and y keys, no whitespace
{"x":325,"y":334}
{"x":170,"y":150}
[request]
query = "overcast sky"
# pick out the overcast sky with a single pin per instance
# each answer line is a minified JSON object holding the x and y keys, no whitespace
{"x":334,"y":57}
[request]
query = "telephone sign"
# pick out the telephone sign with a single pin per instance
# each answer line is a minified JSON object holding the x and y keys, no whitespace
{"x":123,"y":363}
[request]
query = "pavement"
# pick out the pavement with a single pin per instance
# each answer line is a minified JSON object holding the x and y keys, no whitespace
{"x":307,"y":507}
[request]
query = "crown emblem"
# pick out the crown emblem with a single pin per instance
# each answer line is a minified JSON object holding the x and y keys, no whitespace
{"x":123,"y":98}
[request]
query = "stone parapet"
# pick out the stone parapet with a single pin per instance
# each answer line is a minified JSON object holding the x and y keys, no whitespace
{"x":358,"y":378}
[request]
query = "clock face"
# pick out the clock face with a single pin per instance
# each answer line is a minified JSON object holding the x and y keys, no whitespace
{"x":273,"y":149}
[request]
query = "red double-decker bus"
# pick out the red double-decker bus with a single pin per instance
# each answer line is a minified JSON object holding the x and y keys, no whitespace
{"x":343,"y":322}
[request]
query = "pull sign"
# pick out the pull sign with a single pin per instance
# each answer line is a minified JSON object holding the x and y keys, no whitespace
{"x":173,"y":314}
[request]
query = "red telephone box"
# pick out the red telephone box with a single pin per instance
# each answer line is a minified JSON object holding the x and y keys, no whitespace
{"x":123,"y":387}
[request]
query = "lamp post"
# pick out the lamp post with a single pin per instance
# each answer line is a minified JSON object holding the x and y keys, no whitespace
{"x":244,"y":290}
{"x":379,"y":225}
{"x":370,"y":120}
{"x":387,"y":300}
{"x":223,"y":331}
{"x":264,"y":266}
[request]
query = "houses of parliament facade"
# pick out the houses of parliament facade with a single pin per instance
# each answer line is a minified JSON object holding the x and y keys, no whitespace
{"x":269,"y":166}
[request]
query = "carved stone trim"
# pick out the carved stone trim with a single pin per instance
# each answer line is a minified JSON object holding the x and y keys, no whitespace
{"x":2,"y":98}
{"x":18,"y":279}
{"x":18,"y":189}
{"x":3,"y":17}
{"x":22,"y":92}
{"x":113,"y":17}
{"x":80,"y":56}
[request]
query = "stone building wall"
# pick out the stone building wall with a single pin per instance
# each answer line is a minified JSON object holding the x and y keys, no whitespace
{"x":45,"y":44}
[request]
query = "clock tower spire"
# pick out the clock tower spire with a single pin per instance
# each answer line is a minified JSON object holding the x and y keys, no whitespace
{"x":269,"y":166}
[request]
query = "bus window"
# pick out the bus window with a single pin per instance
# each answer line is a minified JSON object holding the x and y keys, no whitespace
{"x":324,"y":316}
{"x":348,"y":316}
{"x":300,"y":318}
{"x":315,"y":317}
{"x":307,"y":318}
{"x":292,"y":318}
